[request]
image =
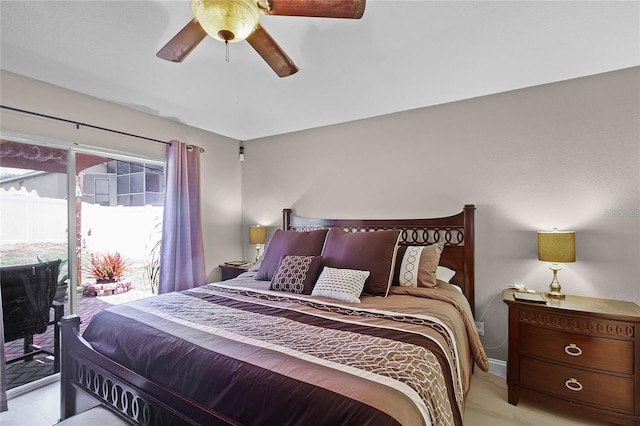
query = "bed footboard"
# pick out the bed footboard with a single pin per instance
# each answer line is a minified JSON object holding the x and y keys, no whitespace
{"x":88,"y":378}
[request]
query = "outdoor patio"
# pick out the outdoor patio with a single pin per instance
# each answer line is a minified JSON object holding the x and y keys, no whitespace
{"x":22,"y":372}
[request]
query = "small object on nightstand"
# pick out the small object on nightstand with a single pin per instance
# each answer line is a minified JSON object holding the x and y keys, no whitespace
{"x":517,"y":287}
{"x":237,"y":263}
{"x":577,"y":354}
{"x":529,"y":297}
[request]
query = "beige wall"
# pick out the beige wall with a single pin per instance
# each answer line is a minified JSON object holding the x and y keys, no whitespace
{"x":563,"y":155}
{"x":221,"y":171}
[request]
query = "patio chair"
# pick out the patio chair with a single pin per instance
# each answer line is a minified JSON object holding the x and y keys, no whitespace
{"x":28,"y":293}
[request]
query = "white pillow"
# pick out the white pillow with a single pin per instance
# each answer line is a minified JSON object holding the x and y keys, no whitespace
{"x":457,"y":288}
{"x":341,"y":284}
{"x":444,"y":274}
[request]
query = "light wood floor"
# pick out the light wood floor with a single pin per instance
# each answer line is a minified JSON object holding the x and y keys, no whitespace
{"x":486,"y":406}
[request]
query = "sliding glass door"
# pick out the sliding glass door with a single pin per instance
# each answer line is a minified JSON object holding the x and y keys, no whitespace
{"x":33,"y":231}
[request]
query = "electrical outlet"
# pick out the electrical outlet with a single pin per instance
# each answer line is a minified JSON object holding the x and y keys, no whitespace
{"x":480,"y":327}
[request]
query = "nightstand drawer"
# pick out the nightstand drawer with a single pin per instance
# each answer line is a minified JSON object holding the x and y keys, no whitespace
{"x":577,"y":349}
{"x":578,"y":385}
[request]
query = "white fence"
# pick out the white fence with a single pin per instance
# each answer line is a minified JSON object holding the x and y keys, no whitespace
{"x":27,"y":218}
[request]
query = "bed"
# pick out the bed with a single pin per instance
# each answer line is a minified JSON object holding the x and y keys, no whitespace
{"x":314,"y":334}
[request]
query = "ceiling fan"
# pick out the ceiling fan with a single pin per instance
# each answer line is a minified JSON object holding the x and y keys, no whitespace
{"x":235,"y":20}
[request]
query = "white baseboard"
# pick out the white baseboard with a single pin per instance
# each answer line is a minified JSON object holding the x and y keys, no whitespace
{"x":498,"y":367}
{"x":28,"y":387}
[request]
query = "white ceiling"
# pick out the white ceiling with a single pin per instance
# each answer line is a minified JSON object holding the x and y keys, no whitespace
{"x":401,"y":55}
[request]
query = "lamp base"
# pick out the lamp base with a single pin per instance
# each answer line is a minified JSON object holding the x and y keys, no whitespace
{"x":554,"y":287}
{"x":555,"y":295}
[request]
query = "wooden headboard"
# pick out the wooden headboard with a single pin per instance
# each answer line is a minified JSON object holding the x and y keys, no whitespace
{"x":455,"y":231}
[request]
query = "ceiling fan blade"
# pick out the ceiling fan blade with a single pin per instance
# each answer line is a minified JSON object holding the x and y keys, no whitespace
{"x":352,"y":9}
{"x":183,"y":43}
{"x":271,"y":52}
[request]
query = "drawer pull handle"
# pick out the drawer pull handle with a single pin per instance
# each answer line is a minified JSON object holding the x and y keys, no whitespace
{"x":573,"y":384}
{"x":573,"y":349}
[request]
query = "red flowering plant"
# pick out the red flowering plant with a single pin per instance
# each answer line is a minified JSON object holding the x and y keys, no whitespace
{"x":106,"y":267}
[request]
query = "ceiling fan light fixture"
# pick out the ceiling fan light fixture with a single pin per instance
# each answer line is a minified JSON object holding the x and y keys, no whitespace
{"x":229,"y":21}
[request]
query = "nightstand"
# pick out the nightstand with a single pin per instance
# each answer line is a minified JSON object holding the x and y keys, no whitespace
{"x":232,"y":271}
{"x":579,"y":354}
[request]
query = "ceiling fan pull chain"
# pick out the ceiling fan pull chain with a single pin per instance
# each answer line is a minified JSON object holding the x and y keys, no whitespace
{"x":226,"y":44}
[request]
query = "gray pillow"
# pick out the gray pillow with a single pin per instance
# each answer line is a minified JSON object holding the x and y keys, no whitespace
{"x":341,"y":284}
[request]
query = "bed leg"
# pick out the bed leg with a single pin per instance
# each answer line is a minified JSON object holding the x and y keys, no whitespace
{"x":69,"y":325}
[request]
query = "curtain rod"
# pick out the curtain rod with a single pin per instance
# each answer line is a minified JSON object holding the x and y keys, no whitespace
{"x":78,"y":124}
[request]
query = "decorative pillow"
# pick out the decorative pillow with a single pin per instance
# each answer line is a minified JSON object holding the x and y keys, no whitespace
{"x":444,"y":274}
{"x":297,"y":274}
{"x":340,"y":284}
{"x":290,"y":243}
{"x":418,"y":266}
{"x":365,"y":251}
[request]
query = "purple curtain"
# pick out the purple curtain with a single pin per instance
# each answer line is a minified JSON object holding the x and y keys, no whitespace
{"x":182,"y":252}
{"x":3,"y":367}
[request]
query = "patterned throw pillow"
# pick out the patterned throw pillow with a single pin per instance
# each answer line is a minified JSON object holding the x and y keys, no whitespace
{"x":419,"y":264}
{"x":297,"y":274}
{"x":341,"y":284}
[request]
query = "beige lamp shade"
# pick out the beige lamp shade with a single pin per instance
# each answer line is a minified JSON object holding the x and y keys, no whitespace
{"x":257,"y":234}
{"x":557,"y":246}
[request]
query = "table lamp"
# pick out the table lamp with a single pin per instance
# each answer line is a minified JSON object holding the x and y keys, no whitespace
{"x":556,"y":247}
{"x":257,"y":236}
